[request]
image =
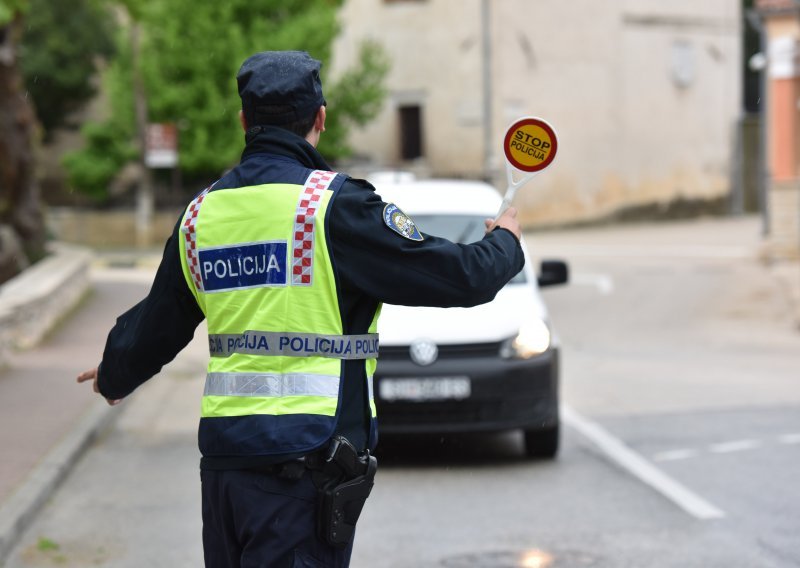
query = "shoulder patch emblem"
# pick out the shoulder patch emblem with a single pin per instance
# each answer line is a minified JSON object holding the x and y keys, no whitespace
{"x":401,"y":223}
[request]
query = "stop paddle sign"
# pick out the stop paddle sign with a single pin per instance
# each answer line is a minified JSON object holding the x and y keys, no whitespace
{"x":530,"y":146}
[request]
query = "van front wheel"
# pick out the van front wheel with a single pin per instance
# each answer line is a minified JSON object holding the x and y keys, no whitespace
{"x":542,"y":444}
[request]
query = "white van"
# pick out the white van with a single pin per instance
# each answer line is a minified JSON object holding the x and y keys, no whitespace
{"x":492,"y":367}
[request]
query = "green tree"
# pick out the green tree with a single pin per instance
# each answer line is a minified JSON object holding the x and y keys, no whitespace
{"x":21,"y":220}
{"x":189,"y":55}
{"x":109,"y":144}
{"x":60,"y":49}
{"x":354,"y":100}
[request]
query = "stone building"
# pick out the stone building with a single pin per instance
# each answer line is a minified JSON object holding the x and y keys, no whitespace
{"x":645,"y":95}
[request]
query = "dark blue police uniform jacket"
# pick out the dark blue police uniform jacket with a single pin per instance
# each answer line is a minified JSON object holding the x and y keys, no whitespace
{"x":372,"y":264}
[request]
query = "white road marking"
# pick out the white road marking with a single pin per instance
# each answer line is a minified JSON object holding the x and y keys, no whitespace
{"x":723,"y":448}
{"x":673,"y":455}
{"x":789,"y":438}
{"x":734,"y":446}
{"x":603,"y":282}
{"x":640,"y":468}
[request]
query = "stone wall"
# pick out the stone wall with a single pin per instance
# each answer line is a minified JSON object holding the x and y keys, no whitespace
{"x":106,"y":229}
{"x":33,"y":302}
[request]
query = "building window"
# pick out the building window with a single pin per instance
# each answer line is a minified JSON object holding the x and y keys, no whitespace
{"x":410,"y":132}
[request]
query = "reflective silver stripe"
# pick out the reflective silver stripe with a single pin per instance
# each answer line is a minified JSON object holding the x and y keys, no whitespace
{"x":294,"y":344}
{"x":369,"y":388}
{"x":268,"y":385}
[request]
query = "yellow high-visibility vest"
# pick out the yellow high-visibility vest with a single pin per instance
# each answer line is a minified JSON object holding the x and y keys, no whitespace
{"x":257,"y":261}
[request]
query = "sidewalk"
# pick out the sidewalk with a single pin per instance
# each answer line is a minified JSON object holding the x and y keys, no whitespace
{"x":46,"y":418}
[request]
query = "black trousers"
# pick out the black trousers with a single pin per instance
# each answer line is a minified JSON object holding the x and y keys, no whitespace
{"x":260,"y":520}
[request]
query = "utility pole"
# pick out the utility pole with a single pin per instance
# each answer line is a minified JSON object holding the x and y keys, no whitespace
{"x":488,"y":141}
{"x":144,"y":194}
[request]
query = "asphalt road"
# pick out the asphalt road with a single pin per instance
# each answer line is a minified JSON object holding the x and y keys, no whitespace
{"x":680,"y":370}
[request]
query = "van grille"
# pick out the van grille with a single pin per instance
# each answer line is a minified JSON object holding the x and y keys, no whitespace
{"x":454,"y":351}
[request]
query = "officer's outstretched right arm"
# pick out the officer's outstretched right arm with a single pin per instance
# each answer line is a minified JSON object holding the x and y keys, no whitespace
{"x":381,"y":263}
{"x":151,"y":333}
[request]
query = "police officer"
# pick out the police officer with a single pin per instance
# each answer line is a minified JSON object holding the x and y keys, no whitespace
{"x":289,"y":263}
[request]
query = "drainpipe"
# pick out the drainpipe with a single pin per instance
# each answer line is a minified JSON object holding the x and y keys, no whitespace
{"x":757,"y":24}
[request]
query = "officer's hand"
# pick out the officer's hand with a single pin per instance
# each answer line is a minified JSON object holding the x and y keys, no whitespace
{"x":91,"y":375}
{"x":508,"y":220}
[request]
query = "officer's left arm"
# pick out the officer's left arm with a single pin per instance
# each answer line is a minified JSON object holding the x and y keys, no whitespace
{"x":151,"y":333}
{"x":382,"y":263}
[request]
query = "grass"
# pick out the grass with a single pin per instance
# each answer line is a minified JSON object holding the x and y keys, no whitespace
{"x":46,"y":545}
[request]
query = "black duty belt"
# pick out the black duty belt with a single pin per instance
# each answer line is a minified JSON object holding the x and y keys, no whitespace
{"x":337,"y":459}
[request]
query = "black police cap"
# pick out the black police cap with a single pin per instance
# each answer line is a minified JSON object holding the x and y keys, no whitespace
{"x":279,"y":87}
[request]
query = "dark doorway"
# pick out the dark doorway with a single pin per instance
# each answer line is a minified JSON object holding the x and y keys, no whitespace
{"x":410,"y":132}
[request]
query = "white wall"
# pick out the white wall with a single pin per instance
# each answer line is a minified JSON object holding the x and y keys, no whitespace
{"x":436,"y":55}
{"x":602,"y":73}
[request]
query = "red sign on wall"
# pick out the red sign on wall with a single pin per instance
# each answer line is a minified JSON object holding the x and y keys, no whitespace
{"x":162,"y":146}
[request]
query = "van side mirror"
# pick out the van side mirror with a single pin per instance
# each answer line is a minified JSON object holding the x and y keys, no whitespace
{"x":553,"y":272}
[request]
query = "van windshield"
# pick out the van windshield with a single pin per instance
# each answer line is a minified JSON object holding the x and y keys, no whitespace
{"x":459,"y":229}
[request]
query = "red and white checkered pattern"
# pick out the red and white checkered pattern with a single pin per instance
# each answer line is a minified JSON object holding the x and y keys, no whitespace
{"x":190,"y":235}
{"x":304,"y":222}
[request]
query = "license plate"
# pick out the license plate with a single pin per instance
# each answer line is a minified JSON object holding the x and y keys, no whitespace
{"x":434,"y":388}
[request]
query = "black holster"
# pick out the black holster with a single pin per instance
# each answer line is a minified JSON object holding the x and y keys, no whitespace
{"x":345,"y":481}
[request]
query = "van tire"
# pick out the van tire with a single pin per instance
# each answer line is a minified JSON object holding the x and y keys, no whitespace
{"x":542,"y":444}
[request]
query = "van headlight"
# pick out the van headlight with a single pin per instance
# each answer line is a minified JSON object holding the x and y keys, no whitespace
{"x":533,"y":339}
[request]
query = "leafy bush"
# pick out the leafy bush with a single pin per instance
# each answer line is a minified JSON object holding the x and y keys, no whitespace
{"x":189,"y":55}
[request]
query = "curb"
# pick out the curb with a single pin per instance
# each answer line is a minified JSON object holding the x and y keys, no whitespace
{"x":127,"y":261}
{"x":18,"y":512}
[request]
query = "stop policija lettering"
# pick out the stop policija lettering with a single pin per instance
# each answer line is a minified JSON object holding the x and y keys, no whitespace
{"x":531,"y":145}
